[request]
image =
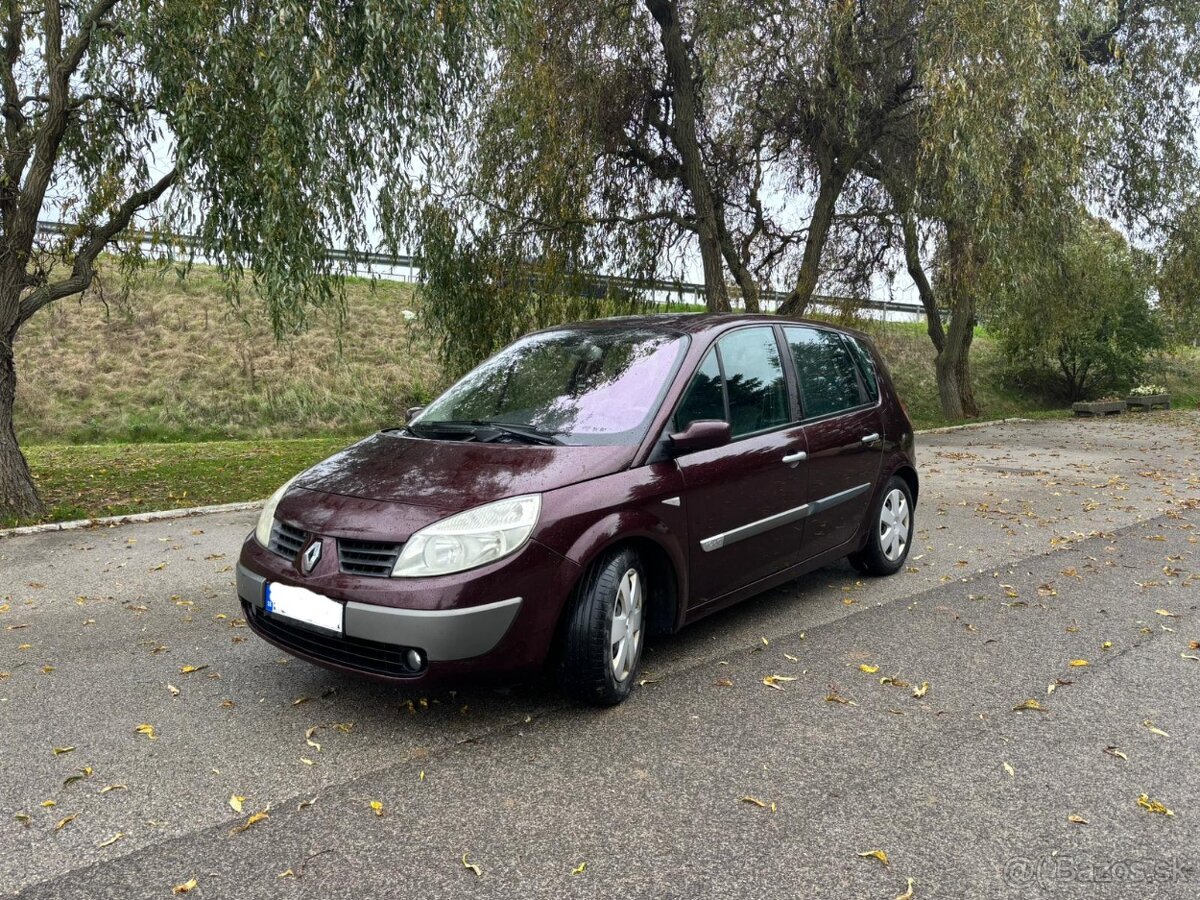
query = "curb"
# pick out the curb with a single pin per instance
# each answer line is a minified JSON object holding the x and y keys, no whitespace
{"x":133,"y":518}
{"x":966,"y":425}
{"x":110,"y":521}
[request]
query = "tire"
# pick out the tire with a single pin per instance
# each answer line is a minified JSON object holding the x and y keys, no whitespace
{"x":595,"y":668}
{"x":890,"y":526}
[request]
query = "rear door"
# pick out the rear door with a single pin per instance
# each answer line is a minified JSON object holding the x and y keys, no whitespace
{"x":744,"y":501}
{"x":843,"y":430}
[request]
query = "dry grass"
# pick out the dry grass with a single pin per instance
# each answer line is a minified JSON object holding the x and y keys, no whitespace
{"x":175,"y":361}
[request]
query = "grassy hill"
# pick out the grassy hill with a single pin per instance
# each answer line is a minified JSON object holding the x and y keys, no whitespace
{"x":174,"y":361}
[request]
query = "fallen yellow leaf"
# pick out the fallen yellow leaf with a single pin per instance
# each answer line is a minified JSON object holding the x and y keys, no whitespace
{"x":1079,"y":663}
{"x":724,"y":682}
{"x":1010,"y":770}
{"x":1029,"y":704}
{"x":147,"y":730}
{"x":59,"y":751}
{"x":113,"y":787}
{"x":870,"y":670}
{"x":287,"y":873}
{"x":922,"y":690}
{"x":748,"y":799}
{"x":253,"y":820}
{"x":474,"y":868}
{"x":63,"y":823}
{"x":112,"y":840}
{"x":1168,"y":614}
{"x":579,"y":869}
{"x":377,"y":807}
{"x":875,"y":854}
{"x":1077,"y":820}
{"x":1154,"y":806}
{"x":908,"y":894}
{"x":1154,"y":729}
{"x":236,"y":802}
{"x":46,"y":804}
{"x":187,"y":887}
{"x":773,"y":681}
{"x":188,"y":670}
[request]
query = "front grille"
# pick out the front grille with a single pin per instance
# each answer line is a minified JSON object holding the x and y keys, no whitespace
{"x":367,"y":557}
{"x":354,"y":653}
{"x":286,"y":540}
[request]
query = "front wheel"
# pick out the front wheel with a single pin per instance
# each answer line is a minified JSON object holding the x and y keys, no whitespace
{"x":890,"y":524}
{"x":606,"y":630}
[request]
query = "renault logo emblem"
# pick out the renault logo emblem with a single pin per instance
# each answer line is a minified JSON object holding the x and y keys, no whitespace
{"x":310,"y":558}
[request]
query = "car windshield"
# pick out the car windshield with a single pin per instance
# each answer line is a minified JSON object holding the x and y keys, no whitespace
{"x":598,"y":385}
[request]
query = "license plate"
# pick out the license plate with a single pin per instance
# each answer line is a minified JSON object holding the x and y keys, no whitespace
{"x":303,"y":605}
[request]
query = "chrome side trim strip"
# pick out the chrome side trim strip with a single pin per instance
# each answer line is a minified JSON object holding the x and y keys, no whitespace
{"x":840,"y":497}
{"x":717,"y":541}
{"x":787,"y":517}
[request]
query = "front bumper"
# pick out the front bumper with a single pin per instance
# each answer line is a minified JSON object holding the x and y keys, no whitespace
{"x":457,"y":625}
{"x":440,"y":635}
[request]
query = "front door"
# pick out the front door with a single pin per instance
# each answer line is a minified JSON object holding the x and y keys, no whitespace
{"x":843,"y":429}
{"x":745,"y":501}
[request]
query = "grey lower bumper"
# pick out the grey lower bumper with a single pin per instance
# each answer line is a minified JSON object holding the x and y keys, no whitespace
{"x":442,"y":634}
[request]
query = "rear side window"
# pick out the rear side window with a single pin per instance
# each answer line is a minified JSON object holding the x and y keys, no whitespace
{"x":705,"y":397}
{"x":827,"y":373}
{"x":758,"y":396}
{"x":866,"y":366}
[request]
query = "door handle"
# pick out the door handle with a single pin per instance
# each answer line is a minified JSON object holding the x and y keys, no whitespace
{"x":871,"y":438}
{"x":795,"y":457}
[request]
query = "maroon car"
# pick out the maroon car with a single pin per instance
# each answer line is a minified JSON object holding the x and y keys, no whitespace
{"x":587,"y":486}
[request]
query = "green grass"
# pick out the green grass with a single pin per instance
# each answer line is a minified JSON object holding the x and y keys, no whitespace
{"x":93,"y":480}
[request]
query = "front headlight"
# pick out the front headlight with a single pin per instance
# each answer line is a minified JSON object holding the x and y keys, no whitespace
{"x":262,"y":531}
{"x":470,"y":539}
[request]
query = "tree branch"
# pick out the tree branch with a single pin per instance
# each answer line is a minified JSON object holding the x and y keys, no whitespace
{"x":83,"y":269}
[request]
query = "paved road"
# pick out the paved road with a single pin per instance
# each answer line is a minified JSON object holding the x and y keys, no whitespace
{"x":1038,"y":544}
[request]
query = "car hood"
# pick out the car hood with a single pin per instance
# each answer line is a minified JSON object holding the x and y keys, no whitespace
{"x":456,"y":475}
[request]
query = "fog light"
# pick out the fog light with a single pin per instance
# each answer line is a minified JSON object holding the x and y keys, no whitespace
{"x":415,"y":660}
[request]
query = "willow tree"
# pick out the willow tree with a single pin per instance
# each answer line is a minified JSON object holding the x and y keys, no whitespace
{"x":1067,"y":103}
{"x":269,"y":130}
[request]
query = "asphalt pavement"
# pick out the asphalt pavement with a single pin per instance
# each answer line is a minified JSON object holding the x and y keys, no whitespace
{"x":1055,"y":562}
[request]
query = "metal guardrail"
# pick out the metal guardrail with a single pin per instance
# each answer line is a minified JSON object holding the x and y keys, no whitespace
{"x":404,"y":267}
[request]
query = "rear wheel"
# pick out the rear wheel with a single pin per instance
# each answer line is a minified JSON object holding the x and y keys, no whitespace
{"x":891,"y":528}
{"x":606,"y":630}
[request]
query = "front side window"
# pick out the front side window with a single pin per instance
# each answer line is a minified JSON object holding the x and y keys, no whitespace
{"x":827,"y":374}
{"x":705,"y":395}
{"x":583,"y":386}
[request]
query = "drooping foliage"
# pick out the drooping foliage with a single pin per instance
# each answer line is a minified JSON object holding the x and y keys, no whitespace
{"x":269,"y":130}
{"x":1082,"y":325}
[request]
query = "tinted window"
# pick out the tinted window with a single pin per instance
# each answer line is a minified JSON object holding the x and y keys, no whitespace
{"x":828,"y":383}
{"x":705,"y":397}
{"x":588,"y":386}
{"x":754,"y":380}
{"x":866,"y":366}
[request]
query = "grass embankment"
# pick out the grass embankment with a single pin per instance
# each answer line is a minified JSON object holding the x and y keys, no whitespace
{"x":172,"y":398}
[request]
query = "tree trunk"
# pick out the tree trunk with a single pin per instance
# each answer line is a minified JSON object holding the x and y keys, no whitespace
{"x":18,"y":496}
{"x":796,"y":302}
{"x":916,"y":271}
{"x":684,"y":136}
{"x":953,"y":364}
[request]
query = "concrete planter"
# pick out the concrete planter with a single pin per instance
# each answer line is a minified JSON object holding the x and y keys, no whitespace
{"x":1098,"y":407}
{"x":1149,"y":401}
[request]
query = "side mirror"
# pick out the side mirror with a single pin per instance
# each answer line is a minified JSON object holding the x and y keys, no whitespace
{"x":413,"y":412}
{"x":702,"y":434}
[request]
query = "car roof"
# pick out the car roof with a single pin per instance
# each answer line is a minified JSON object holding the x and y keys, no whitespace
{"x":699,"y":323}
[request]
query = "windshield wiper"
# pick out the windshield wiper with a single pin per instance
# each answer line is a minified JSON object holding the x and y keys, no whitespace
{"x":527,"y":432}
